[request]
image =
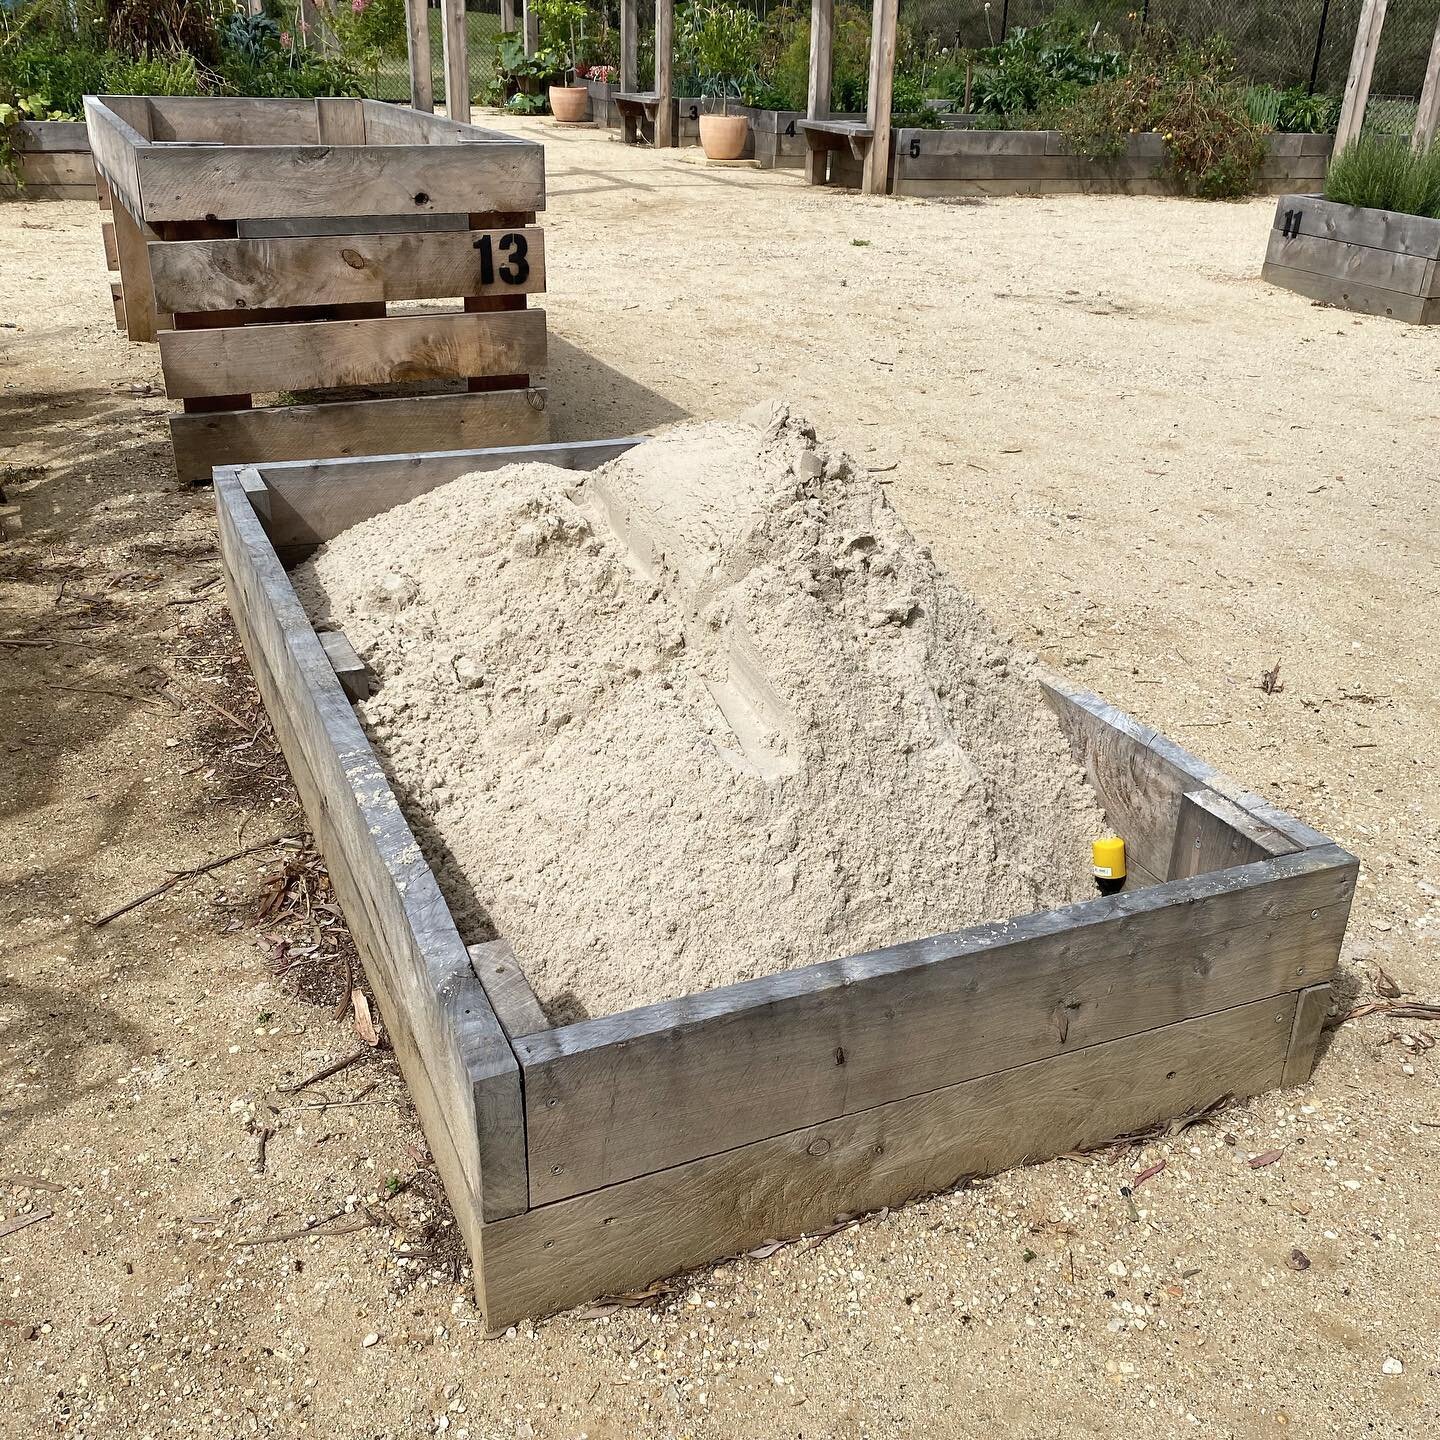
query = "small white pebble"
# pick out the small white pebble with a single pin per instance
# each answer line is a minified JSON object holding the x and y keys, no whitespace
{"x":371,"y":1339}
{"x":1392,"y":1366}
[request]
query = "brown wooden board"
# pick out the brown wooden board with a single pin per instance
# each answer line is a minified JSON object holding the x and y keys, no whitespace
{"x":1349,"y":295}
{"x":1356,"y":225}
{"x":1339,"y":260}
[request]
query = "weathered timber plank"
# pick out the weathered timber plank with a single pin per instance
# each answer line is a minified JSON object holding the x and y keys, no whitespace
{"x":346,"y":225}
{"x":1140,"y":776}
{"x":234,"y":274}
{"x":339,"y":120}
{"x":1214,"y":833}
{"x":314,"y":501}
{"x":232,"y":120}
{"x":1000,"y":189}
{"x":621,"y":1237}
{"x":510,"y":994}
{"x":1356,"y":225}
{"x":264,"y":181}
{"x":107,"y":238}
{"x":114,"y":145}
{"x":458,"y":1064}
{"x":31,"y":135}
{"x":333,"y":354}
{"x":358,"y":427}
{"x":1025,"y":167}
{"x":1310,"y":1013}
{"x":142,"y":321}
{"x":1351,"y":264}
{"x":621,"y":1095}
{"x":54,"y":167}
{"x":350,"y":670}
{"x":1348,"y":295}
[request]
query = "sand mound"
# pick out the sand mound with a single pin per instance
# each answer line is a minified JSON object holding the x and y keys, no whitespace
{"x":706,"y":714}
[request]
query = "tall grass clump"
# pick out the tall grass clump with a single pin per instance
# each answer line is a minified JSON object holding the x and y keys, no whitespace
{"x":1382,"y":172}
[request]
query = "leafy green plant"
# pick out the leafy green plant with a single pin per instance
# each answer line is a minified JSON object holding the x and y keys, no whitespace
{"x":562,"y":32}
{"x":1382,"y":172}
{"x":1040,"y":66}
{"x":1293,"y":112}
{"x":718,"y":42}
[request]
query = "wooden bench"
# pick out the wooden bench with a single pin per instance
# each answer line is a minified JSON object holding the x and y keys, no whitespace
{"x":849,"y":137}
{"x":637,"y":108}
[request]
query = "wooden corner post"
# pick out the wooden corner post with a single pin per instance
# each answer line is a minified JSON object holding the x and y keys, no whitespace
{"x":876,"y":177}
{"x":1427,"y":117}
{"x":507,"y":16}
{"x":817,"y":104}
{"x":664,"y":69}
{"x":1362,"y":69}
{"x":530,"y":23}
{"x":457,"y":60}
{"x":629,"y":46}
{"x":417,"y":26}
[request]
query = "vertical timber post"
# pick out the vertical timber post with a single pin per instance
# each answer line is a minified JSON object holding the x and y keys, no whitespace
{"x":629,"y":46}
{"x":507,"y":16}
{"x":457,"y":61}
{"x":1362,"y":68}
{"x":422,"y":83}
{"x":664,"y":64}
{"x":817,"y":105}
{"x":1427,"y":117}
{"x":876,"y":177}
{"x":530,"y":23}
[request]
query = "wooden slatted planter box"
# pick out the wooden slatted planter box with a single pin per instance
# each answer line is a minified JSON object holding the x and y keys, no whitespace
{"x":54,"y":162}
{"x":595,"y":1157}
{"x":1378,"y":262}
{"x":265,"y":242}
{"x":967,"y":162}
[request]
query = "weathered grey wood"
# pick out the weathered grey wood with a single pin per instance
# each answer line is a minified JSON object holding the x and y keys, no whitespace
{"x":316,"y":225}
{"x":334,"y":354}
{"x":350,"y":670}
{"x":359,"y":427}
{"x":242,"y":273}
{"x":72,"y":168}
{"x":142,"y":321}
{"x":620,"y":1238}
{"x":340,"y":120}
{"x":1310,"y":1012}
{"x":664,"y":69}
{"x":417,"y":46}
{"x":313,"y":501}
{"x":1427,"y":113}
{"x":460,"y":1069}
{"x":114,"y":144}
{"x":1348,"y":295}
{"x":530,"y":24}
{"x":107,"y":239}
{"x":1362,"y":69}
{"x":261,"y":181}
{"x":610,"y":1098}
{"x":1358,"y":264}
{"x":510,"y":994}
{"x":1356,"y":225}
{"x":455,"y":43}
{"x":817,"y":104}
{"x":629,"y":45}
{"x":507,"y":16}
{"x":875,"y":175}
{"x":256,"y":491}
{"x":226,"y":120}
{"x":1214,"y":833}
{"x":61,"y":135}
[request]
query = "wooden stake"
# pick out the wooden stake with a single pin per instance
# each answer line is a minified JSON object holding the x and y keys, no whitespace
{"x":1362,"y":69}
{"x":531,"y":21}
{"x":457,"y":60}
{"x":876,"y":177}
{"x":507,"y":16}
{"x":817,"y":104}
{"x":1427,"y":118}
{"x":664,"y":65}
{"x":422,"y":86}
{"x":629,"y":46}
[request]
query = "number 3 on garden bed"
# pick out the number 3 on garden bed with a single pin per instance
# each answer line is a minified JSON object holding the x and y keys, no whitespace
{"x":515,"y":271}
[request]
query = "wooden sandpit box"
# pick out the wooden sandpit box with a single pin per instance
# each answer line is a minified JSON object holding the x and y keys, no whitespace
{"x":595,"y":1157}
{"x":53,"y":159}
{"x":1377,"y":262}
{"x":267,"y":244}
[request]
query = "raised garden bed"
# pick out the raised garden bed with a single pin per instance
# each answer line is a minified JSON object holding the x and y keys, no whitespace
{"x":968,"y":162}
{"x":595,"y":1157}
{"x":1378,"y":262}
{"x":262,"y":242}
{"x":54,"y":162}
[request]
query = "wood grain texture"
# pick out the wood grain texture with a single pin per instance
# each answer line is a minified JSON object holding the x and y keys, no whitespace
{"x":621,"y":1237}
{"x":340,"y":120}
{"x":817,"y":103}
{"x":359,"y":427}
{"x":334,"y":354}
{"x":457,"y":1062}
{"x":263,"y":181}
{"x":1310,"y":1015}
{"x":875,"y":173}
{"x":1214,"y":833}
{"x":312,"y":501}
{"x":454,"y":39}
{"x":1356,"y":225}
{"x":64,"y":135}
{"x":142,"y":319}
{"x":1427,"y":113}
{"x":510,"y":994}
{"x":233,"y":120}
{"x":1362,"y":70}
{"x":350,"y":670}
{"x":338,"y":269}
{"x":417,"y":50}
{"x":114,"y":144}
{"x":610,"y":1098}
{"x":1349,"y":295}
{"x":665,"y":118}
{"x":1350,"y":264}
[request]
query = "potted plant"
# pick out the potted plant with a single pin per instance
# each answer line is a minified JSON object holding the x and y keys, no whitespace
{"x":562,"y":24}
{"x":723,"y":41}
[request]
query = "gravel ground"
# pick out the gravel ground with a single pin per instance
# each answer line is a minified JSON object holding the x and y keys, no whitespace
{"x":1159,"y":473}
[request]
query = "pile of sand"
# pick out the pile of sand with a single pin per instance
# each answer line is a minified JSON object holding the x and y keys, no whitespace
{"x":703,"y":715}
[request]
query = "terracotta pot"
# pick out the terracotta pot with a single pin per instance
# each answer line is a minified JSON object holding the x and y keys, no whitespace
{"x":724,"y":136}
{"x":570,"y":104}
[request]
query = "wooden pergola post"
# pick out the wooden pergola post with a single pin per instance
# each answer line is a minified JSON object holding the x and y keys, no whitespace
{"x":531,"y":23}
{"x":1427,"y":118}
{"x":876,"y":177}
{"x":1362,"y":68}
{"x":507,"y":16}
{"x":817,"y":104}
{"x":417,"y":22}
{"x":457,"y":60}
{"x":629,"y":46}
{"x":664,"y":63}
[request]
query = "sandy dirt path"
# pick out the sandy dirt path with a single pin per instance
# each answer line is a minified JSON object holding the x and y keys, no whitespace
{"x":1160,"y":474}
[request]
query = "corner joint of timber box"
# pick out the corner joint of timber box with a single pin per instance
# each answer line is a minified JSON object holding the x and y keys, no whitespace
{"x":350,"y":670}
{"x":1312,"y":1006}
{"x":257,"y":492}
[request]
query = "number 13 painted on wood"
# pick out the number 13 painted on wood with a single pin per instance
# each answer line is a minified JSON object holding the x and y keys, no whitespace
{"x":515,"y":271}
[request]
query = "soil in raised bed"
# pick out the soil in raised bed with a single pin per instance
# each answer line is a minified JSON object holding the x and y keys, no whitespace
{"x":705,"y":714}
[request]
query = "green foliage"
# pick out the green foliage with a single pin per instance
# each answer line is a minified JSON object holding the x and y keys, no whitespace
{"x":784,"y":63}
{"x":562,"y":30}
{"x":1186,"y":93}
{"x":1381,"y":172}
{"x":1039,"y":67}
{"x":1293,"y":111}
{"x":522,"y":104}
{"x":369,"y":32}
{"x":177,"y":74}
{"x":141,"y":28}
{"x":718,"y":42}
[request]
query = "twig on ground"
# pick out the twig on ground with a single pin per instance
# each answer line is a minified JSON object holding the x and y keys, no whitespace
{"x":325,"y":1072}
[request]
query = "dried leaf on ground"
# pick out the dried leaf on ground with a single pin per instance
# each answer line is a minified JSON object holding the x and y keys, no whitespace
{"x":364,"y":1025}
{"x":1267,"y":1157}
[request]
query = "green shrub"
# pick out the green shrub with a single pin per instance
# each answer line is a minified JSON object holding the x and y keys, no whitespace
{"x":1293,"y":111}
{"x":1039,"y":67}
{"x":717,"y":47}
{"x":165,"y":75}
{"x":1381,"y":172}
